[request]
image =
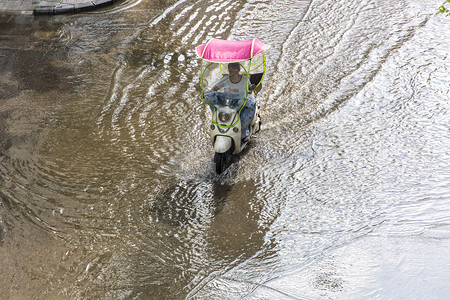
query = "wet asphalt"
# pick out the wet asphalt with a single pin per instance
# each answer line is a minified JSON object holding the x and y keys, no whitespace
{"x":50,"y":7}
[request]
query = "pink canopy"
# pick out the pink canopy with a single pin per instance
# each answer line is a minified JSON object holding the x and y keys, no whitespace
{"x":224,"y":51}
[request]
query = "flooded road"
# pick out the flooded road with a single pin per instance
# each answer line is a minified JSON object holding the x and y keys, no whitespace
{"x":107,"y":179}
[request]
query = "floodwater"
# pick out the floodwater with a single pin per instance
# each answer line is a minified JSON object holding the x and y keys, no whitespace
{"x":108,"y":189}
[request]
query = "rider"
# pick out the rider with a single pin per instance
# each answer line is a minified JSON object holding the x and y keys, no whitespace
{"x":236,"y":83}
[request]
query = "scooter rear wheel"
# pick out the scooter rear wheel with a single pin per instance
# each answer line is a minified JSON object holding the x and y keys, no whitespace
{"x":222,"y":160}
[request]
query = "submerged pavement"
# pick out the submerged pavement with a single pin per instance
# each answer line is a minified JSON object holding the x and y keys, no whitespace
{"x":50,"y":7}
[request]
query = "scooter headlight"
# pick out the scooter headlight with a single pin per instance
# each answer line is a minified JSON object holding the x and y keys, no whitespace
{"x":224,"y":116}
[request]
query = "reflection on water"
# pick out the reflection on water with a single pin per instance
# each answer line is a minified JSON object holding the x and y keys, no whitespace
{"x":107,"y":182}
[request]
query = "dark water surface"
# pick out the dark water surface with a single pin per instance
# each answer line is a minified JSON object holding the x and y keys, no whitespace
{"x":107,"y":180}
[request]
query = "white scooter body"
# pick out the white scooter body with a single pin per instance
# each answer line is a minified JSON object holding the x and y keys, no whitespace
{"x":226,"y":139}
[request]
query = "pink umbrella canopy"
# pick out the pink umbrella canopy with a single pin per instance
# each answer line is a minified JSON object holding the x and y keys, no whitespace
{"x":223,"y":51}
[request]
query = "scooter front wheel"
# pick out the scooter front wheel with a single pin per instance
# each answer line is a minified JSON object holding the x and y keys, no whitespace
{"x":222,"y":160}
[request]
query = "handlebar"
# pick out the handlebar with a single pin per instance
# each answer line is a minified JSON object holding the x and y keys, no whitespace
{"x":227,"y":99}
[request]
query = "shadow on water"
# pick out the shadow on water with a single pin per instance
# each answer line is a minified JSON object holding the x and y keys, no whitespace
{"x":197,"y":200}
{"x":190,"y":202}
{"x":214,"y":225}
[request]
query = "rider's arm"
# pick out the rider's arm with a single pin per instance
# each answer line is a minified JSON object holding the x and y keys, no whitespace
{"x":258,"y":88}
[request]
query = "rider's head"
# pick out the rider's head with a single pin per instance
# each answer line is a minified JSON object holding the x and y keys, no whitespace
{"x":234,"y":67}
